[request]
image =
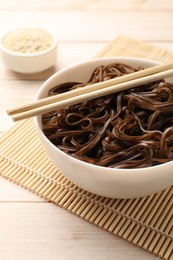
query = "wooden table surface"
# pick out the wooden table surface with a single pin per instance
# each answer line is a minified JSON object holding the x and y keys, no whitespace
{"x":31,"y":228}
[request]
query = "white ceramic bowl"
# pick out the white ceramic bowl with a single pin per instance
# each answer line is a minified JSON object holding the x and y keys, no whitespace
{"x":109,"y":182}
{"x":33,"y":62}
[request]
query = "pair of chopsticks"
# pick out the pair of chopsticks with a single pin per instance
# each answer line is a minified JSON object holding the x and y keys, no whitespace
{"x":91,"y":91}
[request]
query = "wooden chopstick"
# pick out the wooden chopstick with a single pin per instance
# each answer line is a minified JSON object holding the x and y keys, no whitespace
{"x":93,"y":94}
{"x":90,"y":88}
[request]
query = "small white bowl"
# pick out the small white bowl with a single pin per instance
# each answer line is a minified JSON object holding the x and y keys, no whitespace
{"x":29,"y":62}
{"x":105,"y":181}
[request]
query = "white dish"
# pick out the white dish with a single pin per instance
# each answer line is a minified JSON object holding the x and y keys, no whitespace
{"x":29,"y":62}
{"x":109,"y":182}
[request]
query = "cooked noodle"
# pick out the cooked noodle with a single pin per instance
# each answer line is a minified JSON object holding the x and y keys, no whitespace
{"x":129,"y":129}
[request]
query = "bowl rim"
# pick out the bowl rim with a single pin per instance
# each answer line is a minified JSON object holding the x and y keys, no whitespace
{"x":32,"y":54}
{"x":37,"y":119}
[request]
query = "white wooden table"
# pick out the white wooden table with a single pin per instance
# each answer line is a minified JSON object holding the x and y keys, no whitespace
{"x":31,"y":228}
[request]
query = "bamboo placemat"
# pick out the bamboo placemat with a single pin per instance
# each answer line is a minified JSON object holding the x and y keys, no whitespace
{"x":145,"y":222}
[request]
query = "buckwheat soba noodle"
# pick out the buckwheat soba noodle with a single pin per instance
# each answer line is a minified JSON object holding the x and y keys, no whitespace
{"x":129,"y":129}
